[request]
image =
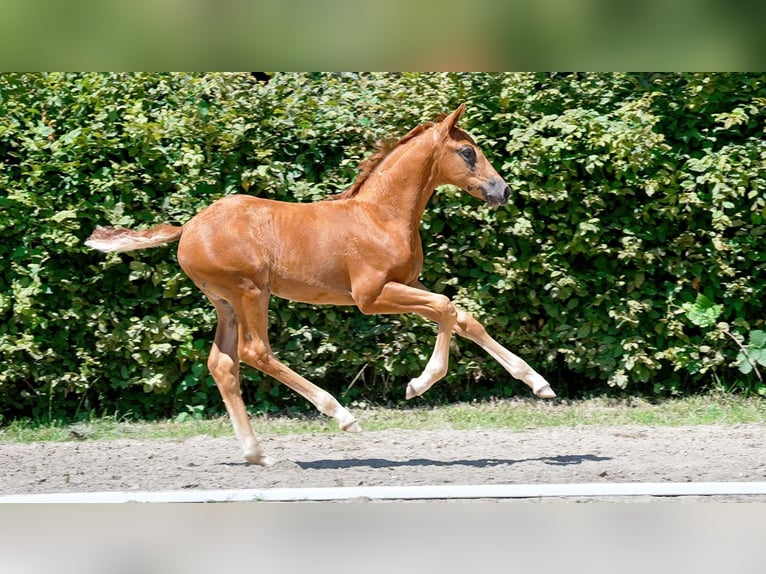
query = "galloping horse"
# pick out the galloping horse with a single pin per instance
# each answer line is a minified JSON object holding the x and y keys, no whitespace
{"x":361,"y":248}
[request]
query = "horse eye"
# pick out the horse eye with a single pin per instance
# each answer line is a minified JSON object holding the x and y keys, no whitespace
{"x":468,"y":153}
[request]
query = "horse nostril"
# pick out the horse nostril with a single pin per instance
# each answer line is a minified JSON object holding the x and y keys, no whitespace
{"x":506,"y":193}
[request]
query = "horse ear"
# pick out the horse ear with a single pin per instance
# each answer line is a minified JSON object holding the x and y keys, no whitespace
{"x":451,"y":120}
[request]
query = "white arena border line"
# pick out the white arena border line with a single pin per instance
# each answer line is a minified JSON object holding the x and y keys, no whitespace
{"x":434,"y":492}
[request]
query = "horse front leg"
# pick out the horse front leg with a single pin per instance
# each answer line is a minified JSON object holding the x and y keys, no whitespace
{"x":398,"y":298}
{"x":468,"y":327}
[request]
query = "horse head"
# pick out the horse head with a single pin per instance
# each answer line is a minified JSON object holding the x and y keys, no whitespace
{"x":462,"y":163}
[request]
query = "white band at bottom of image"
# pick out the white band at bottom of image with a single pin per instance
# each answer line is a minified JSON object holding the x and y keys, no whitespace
{"x":421,"y":492}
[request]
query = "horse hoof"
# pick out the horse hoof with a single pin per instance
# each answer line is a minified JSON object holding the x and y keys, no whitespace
{"x":411,"y":393}
{"x":260,"y":459}
{"x":353,"y":426}
{"x":545,"y":392}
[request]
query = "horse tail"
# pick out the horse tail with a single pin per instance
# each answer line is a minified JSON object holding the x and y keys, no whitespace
{"x":120,"y":239}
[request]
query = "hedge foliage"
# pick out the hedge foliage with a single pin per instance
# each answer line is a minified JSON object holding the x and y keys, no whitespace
{"x":635,"y":197}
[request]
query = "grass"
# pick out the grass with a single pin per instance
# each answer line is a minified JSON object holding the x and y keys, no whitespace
{"x":512,"y":414}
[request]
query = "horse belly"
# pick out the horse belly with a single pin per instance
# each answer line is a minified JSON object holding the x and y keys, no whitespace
{"x":315,"y":297}
{"x":310,"y":292}
{"x":311,"y":280}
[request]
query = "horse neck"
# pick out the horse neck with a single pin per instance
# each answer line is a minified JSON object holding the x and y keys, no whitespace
{"x":402,"y":184}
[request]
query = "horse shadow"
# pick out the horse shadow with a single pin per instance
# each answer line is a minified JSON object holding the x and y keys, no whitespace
{"x":334,"y":464}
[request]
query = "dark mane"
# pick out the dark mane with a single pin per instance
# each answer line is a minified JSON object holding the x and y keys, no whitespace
{"x":382,"y":149}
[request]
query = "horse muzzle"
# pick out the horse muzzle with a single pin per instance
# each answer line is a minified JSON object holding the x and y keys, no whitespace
{"x":496,"y":192}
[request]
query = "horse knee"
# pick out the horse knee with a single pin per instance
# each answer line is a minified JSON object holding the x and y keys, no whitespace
{"x":445,"y":309}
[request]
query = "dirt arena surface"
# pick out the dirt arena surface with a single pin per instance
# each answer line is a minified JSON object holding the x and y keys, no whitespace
{"x":395,"y":457}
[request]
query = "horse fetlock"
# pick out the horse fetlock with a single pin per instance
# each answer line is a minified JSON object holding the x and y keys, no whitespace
{"x":435,"y":371}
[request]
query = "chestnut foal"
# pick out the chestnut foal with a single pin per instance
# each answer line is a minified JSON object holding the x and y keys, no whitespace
{"x":362,"y":248}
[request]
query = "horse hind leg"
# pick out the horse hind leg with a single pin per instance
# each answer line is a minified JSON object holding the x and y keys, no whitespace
{"x":468,"y":327}
{"x":255,"y":350}
{"x":223,"y":364}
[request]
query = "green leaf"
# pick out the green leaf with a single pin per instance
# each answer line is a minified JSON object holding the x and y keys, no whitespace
{"x":703,"y":312}
{"x":757,"y":340}
{"x":63,"y":215}
{"x":743,"y":364}
{"x":758,"y":356}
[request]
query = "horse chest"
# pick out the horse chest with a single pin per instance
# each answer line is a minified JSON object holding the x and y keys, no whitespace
{"x":394,"y":250}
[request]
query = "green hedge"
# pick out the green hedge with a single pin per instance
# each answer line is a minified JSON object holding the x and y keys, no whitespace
{"x":635,"y":197}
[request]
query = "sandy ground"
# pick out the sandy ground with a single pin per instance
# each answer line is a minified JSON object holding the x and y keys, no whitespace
{"x":394,"y":457}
